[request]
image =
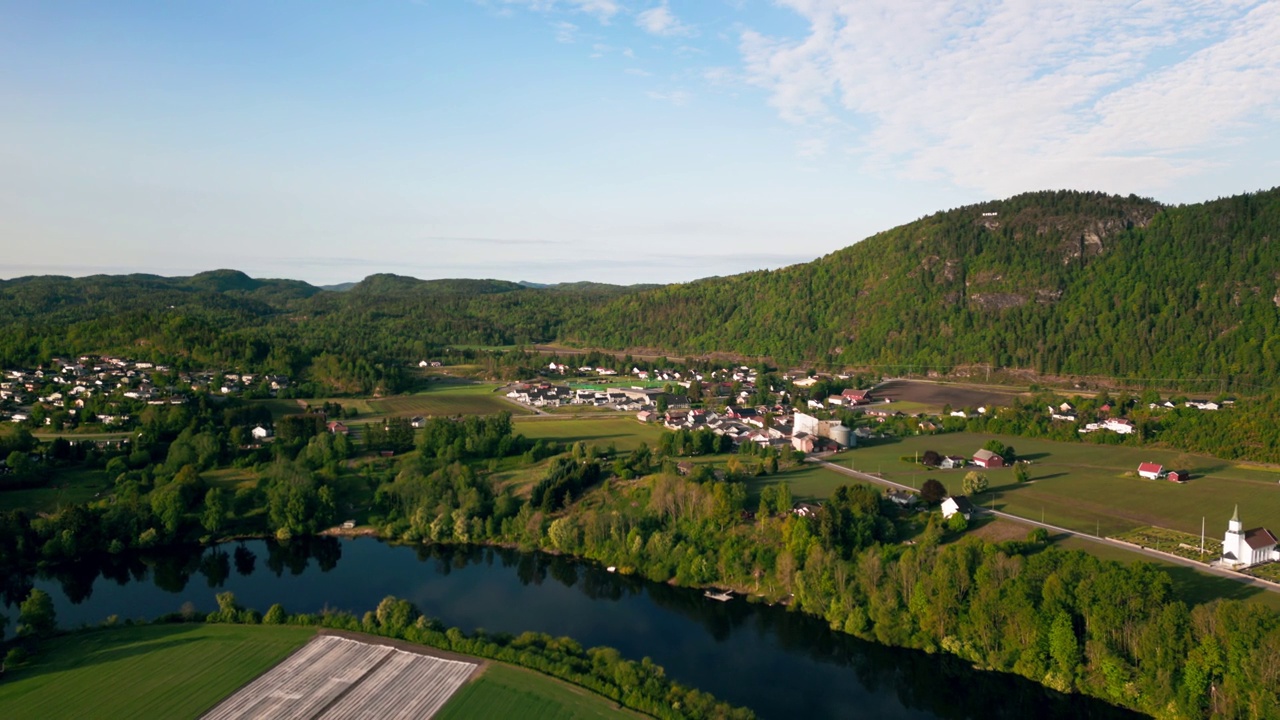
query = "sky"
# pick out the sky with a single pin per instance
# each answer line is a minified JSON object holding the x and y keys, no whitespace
{"x":619,"y":141}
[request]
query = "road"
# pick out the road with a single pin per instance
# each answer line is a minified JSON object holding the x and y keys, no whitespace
{"x":1201,"y":567}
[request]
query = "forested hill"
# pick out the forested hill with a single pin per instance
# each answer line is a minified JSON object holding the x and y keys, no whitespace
{"x":1058,"y":282}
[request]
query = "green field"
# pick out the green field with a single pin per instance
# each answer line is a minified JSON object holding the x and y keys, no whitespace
{"x":808,"y":483}
{"x":447,"y":399}
{"x":1090,"y":488}
{"x":441,"y":398}
{"x":67,"y":487}
{"x":509,"y":692}
{"x":624,"y":431}
{"x":164,"y":672}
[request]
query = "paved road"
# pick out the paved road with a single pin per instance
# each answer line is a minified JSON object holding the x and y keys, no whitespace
{"x":1200,"y":567}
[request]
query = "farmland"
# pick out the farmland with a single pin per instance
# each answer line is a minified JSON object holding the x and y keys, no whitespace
{"x":507,"y":692}
{"x":340,"y":677}
{"x":160,"y":671}
{"x":621,"y":430}
{"x":447,"y":399}
{"x":921,"y":395}
{"x":1090,"y":488}
{"x":442,"y":398}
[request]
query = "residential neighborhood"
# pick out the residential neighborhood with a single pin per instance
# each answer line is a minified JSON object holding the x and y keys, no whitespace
{"x":109,"y":391}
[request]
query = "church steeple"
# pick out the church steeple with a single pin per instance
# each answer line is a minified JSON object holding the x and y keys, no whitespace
{"x":1234,"y":525}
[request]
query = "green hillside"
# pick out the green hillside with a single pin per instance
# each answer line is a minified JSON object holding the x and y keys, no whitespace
{"x":1057,"y":282}
{"x":1051,"y":282}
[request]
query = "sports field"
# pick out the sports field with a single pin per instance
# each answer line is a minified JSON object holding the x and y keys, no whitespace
{"x":1091,"y":488}
{"x":509,"y":692}
{"x":166,"y":672}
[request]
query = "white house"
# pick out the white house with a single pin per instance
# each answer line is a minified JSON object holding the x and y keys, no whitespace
{"x":260,"y":433}
{"x":1248,"y":547}
{"x":1151,"y":471}
{"x":957,"y":504}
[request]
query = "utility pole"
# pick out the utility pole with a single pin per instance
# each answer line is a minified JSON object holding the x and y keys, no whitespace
{"x":1202,"y":535}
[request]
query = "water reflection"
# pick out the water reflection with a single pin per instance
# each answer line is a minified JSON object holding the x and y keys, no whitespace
{"x":780,"y":663}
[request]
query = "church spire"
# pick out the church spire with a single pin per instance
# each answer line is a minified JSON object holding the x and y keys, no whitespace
{"x":1235,"y":516}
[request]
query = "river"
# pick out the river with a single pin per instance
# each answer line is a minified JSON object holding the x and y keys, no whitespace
{"x":781,"y":664}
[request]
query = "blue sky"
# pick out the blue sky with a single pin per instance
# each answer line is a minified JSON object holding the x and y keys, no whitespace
{"x":611,"y":140}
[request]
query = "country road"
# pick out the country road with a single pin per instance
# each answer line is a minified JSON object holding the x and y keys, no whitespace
{"x":1238,"y":577}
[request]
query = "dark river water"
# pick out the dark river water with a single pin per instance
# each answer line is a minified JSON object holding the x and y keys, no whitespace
{"x":781,"y":664}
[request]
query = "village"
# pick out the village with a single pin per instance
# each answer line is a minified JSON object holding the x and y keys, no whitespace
{"x":110,"y":391}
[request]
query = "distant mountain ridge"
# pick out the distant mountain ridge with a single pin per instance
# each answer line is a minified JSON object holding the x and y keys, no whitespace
{"x":1053,"y":282}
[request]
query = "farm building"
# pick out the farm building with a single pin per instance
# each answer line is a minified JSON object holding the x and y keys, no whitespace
{"x":900,"y":497}
{"x":1178,"y":476}
{"x":1151,"y":471}
{"x":987,"y":459}
{"x":951,"y":462}
{"x":957,"y":504}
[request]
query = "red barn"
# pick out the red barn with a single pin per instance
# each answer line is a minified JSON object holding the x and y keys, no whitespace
{"x":987,"y":459}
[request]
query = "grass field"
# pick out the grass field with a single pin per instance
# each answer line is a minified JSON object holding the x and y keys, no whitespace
{"x":1091,"y":488}
{"x":624,"y":431}
{"x":808,"y":483}
{"x":509,"y":692}
{"x":68,"y":487}
{"x":441,"y":398}
{"x":447,"y":399}
{"x":159,"y":671}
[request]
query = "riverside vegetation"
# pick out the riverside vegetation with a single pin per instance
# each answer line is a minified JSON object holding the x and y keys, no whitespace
{"x":1052,"y":283}
{"x":1065,"y":619}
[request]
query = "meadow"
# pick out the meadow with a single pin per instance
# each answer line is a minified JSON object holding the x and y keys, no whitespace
{"x":624,"y":431}
{"x":68,"y":487}
{"x":1089,"y":488}
{"x":504,"y":691}
{"x":166,"y":672}
{"x":442,"y":398}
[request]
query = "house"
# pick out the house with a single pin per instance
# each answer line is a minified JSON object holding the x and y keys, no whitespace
{"x":260,"y":433}
{"x":856,"y":397}
{"x":418,"y":422}
{"x":951,"y":462}
{"x":986,"y":459}
{"x":957,"y":504}
{"x":336,"y":428}
{"x":1151,"y":471}
{"x":900,"y":497}
{"x":1178,"y":476}
{"x":804,"y":442}
{"x":684,"y":467}
{"x":1245,"y":548}
{"x":645,"y":416}
{"x":806,"y":509}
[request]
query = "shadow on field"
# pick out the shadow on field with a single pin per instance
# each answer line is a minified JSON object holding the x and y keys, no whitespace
{"x":1034,"y":456}
{"x":107,"y":645}
{"x":1050,"y":476}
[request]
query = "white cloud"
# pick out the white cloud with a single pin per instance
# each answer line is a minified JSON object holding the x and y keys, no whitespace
{"x":675,"y":97}
{"x":602,"y":10}
{"x":811,"y":148}
{"x":661,"y":21}
{"x":566,"y":32}
{"x":1005,"y":95}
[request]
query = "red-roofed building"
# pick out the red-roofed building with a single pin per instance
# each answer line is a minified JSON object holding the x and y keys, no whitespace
{"x":1151,"y":471}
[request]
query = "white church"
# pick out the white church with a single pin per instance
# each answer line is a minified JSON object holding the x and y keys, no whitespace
{"x":1244,"y":548}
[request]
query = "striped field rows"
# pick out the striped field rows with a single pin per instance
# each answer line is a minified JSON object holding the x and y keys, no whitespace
{"x":334,"y":677}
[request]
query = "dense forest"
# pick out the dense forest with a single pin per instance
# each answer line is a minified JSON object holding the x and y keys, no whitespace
{"x":1050,"y":282}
